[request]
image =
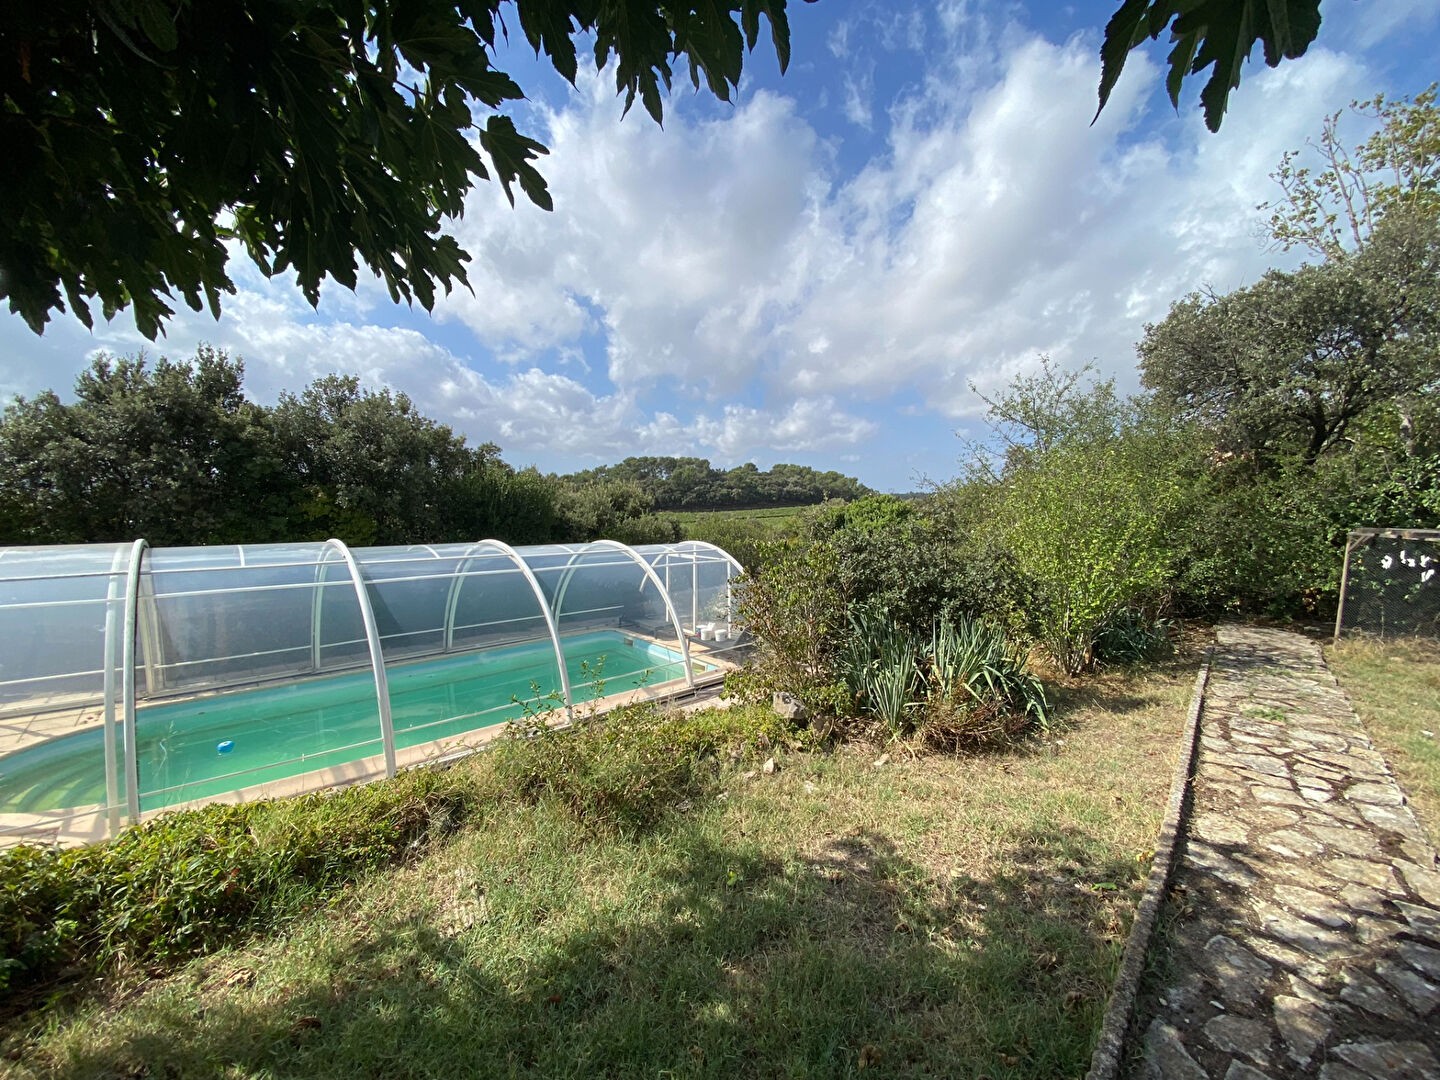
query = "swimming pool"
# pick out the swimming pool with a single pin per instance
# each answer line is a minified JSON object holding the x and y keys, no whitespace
{"x":207,"y":746}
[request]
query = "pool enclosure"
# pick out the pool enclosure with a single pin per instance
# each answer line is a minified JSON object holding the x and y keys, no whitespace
{"x":134,"y":679}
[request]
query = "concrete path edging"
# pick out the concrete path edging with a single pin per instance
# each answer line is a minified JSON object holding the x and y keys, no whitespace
{"x":1105,"y":1062}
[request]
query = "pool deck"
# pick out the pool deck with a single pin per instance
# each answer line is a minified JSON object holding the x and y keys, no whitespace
{"x":90,"y":824}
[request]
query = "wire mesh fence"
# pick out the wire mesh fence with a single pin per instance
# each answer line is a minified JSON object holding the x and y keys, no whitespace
{"x":1390,"y":584}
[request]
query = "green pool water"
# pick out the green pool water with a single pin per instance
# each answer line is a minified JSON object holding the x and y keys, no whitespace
{"x":284,"y":730}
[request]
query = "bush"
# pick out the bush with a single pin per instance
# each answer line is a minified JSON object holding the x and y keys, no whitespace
{"x":621,"y":773}
{"x":1092,"y":529}
{"x":964,"y":685}
{"x":189,"y":881}
{"x":1133,"y":636}
{"x":748,"y":540}
{"x":795,"y":607}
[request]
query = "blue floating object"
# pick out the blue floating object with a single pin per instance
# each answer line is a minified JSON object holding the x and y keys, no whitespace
{"x":225,"y":747}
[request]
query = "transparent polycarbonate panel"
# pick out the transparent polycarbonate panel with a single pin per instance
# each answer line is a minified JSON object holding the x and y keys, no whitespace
{"x":603,"y":587}
{"x":61,"y":623}
{"x":339,"y":628}
{"x":699,"y":578}
{"x":228,"y":642}
{"x":225,"y":615}
{"x":475,"y":602}
{"x":54,"y":604}
{"x":494,"y":603}
{"x":409,"y":589}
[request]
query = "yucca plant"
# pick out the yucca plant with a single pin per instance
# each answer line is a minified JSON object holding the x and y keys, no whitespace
{"x":973,"y":660}
{"x":879,"y":663}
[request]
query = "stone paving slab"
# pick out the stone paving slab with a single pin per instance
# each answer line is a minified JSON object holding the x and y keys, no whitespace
{"x":1305,"y":939}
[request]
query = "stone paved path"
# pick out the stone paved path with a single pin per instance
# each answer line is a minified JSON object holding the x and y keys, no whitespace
{"x":1306,"y":938}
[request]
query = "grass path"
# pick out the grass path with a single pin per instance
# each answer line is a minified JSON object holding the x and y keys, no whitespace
{"x":923,"y":917}
{"x":1395,"y":688}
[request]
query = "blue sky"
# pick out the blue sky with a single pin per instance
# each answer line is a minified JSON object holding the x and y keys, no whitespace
{"x":822,"y":270}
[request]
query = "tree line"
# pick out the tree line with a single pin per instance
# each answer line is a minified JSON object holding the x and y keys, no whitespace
{"x":690,"y":483}
{"x":175,"y":452}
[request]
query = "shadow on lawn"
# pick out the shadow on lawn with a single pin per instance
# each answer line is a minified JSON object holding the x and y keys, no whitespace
{"x":842,"y":959}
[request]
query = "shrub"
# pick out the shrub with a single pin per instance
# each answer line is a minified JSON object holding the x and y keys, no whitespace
{"x":1132,"y":636}
{"x":190,"y":880}
{"x":1091,"y":526}
{"x":795,"y":608}
{"x":749,"y":540}
{"x":963,"y":685}
{"x":619,"y":774}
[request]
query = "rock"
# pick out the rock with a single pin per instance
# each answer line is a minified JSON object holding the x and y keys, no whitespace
{"x":1377,"y":929}
{"x":788,"y":707}
{"x":1325,"y":740}
{"x":1219,"y":829}
{"x":1293,"y":844}
{"x":1303,"y":1026}
{"x":1359,"y":898}
{"x":1395,"y":818}
{"x":1418,"y":994}
{"x":1277,"y":796}
{"x":1304,"y":935}
{"x":1375,"y":794}
{"x":1424,"y":920}
{"x":1365,"y":993}
{"x":1420,"y":957}
{"x":1375,"y":875}
{"x":1240,"y":974}
{"x":1206,"y":858}
{"x":1271,"y":817}
{"x":1391,"y":1060}
{"x":1359,"y":842}
{"x":1240,"y":1071}
{"x":1260,"y":763}
{"x":1237,"y":1035}
{"x":769,"y":767}
{"x":1425,"y":882}
{"x":1313,"y":905}
{"x":1166,"y":1057}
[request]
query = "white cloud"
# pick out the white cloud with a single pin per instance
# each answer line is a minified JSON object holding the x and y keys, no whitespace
{"x":720,"y":254}
{"x":1002,"y":225}
{"x":859,"y":87}
{"x":672,"y":243}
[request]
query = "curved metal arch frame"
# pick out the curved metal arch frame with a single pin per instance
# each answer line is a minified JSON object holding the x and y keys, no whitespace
{"x":372,"y":639}
{"x":692,"y":548}
{"x":706,"y":545}
{"x":452,"y":601}
{"x":649,"y":571}
{"x":129,"y":621}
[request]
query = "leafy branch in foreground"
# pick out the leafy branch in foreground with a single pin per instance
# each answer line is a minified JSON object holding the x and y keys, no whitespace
{"x":142,"y":136}
{"x":1217,"y":34}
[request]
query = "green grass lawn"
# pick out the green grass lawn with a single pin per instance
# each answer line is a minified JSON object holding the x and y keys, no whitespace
{"x":1395,"y":687}
{"x":924,"y":916}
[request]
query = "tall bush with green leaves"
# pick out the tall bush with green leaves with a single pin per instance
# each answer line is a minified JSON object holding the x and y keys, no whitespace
{"x":1093,"y":528}
{"x":1089,"y":503}
{"x":796,"y":609}
{"x":895,"y":554}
